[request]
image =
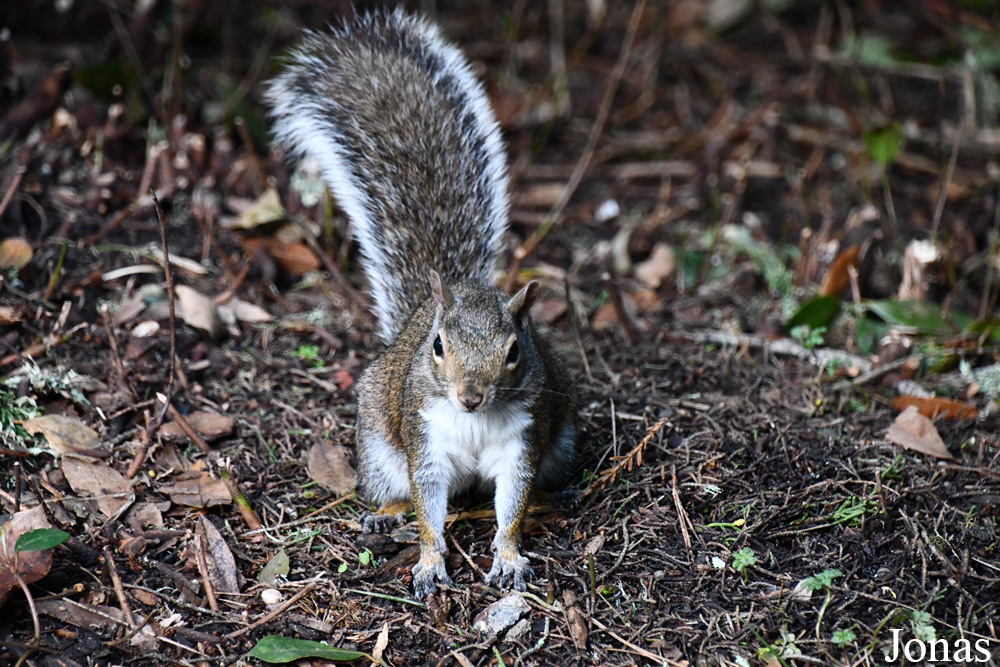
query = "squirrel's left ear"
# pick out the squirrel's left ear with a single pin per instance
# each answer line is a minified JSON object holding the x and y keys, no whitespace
{"x":520,"y":303}
{"x":442,"y":295}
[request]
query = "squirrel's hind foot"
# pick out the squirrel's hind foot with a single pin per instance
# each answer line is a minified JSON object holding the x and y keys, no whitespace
{"x":513,"y":572}
{"x":380,"y":523}
{"x":566,"y":499}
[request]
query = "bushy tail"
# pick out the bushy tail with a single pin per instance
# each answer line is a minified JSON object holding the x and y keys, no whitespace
{"x":409,"y":146}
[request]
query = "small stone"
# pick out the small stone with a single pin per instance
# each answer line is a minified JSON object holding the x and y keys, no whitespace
{"x":501,"y":615}
{"x":519,"y":630}
{"x":271,"y":596}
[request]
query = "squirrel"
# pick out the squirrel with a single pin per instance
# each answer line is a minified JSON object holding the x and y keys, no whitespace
{"x":467,"y":392}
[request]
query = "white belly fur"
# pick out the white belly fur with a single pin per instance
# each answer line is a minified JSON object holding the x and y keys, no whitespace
{"x":467,"y":447}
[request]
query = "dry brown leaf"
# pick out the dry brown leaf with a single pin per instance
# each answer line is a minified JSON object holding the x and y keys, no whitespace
{"x":15,"y":253}
{"x":657,"y":268}
{"x":197,"y":488}
{"x":97,"y":481}
{"x":936,"y":407}
{"x":31,"y":565}
{"x":838,"y":277}
{"x":594,"y":545}
{"x":605,"y":318}
{"x":64,"y":434}
{"x":541,"y":195}
{"x":82,"y":615}
{"x":344,"y":379}
{"x":330,"y":465}
{"x":208,"y":425}
{"x":915,"y":432}
{"x":575,"y":621}
{"x":381,"y":643}
{"x":8,"y":315}
{"x":218,"y":558}
{"x":144,"y":516}
{"x":199,"y":311}
{"x":548,"y":311}
{"x":266,"y":208}
{"x":248,"y":312}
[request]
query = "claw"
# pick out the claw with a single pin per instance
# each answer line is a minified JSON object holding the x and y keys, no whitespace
{"x":380,"y":523}
{"x":510,"y":573}
{"x":424,"y":575}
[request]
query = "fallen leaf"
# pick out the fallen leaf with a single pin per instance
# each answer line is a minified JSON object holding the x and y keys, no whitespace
{"x":267,"y":208}
{"x":330,"y":465}
{"x":344,"y":379}
{"x":295,"y":257}
{"x":936,"y":407}
{"x":208,"y":425}
{"x":8,"y":315}
{"x":81,"y":615}
{"x":381,"y":643}
{"x":197,"y":488}
{"x":248,"y":312}
{"x":218,"y":558}
{"x":144,"y":516}
{"x":199,"y":312}
{"x":547,"y":311}
{"x":278,"y":565}
{"x":605,"y":318}
{"x":838,"y":277}
{"x":63,"y":433}
{"x":541,"y":195}
{"x":915,"y":432}
{"x":97,"y":481}
{"x":31,"y":565}
{"x":657,"y":268}
{"x":575,"y":620}
{"x":594,"y":545}
{"x":15,"y":253}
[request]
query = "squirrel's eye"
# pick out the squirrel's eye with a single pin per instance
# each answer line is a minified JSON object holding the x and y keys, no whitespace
{"x":513,"y":354}
{"x":438,"y":347}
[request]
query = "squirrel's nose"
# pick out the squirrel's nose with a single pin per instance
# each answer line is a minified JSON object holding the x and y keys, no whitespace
{"x":470,"y":399}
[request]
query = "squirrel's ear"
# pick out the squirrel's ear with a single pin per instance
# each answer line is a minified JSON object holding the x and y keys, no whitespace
{"x":442,"y":295}
{"x":519,"y":304}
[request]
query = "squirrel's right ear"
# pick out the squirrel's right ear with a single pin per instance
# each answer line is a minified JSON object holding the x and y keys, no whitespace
{"x":442,"y":295}
{"x":521,"y":302}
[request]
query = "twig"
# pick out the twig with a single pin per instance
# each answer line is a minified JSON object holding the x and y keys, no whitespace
{"x":574,"y":325}
{"x":682,"y":517}
{"x":949,"y":174}
{"x":628,"y":324}
{"x":188,"y":429}
{"x":14,"y":184}
{"x":171,"y":296}
{"x":267,"y":618}
{"x":206,"y":580}
{"x":116,"y":581}
{"x":627,"y":462}
{"x":583,"y":164}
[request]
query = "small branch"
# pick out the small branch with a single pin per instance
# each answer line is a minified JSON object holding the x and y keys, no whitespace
{"x":274,"y":614}
{"x":12,"y":190}
{"x":116,"y":581}
{"x":625,"y":463}
{"x":206,"y":580}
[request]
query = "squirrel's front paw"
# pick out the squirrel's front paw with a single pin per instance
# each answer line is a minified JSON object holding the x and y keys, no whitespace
{"x":380,"y":523}
{"x":512,"y":571}
{"x":425,"y":572}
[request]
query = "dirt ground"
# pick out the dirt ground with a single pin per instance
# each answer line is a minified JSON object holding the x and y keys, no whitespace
{"x":740,"y":501}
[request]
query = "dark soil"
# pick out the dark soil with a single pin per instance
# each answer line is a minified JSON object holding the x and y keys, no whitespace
{"x":758,"y":126}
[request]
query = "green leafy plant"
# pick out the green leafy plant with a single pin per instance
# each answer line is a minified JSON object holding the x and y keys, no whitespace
{"x":367,"y":558}
{"x":852,"y":510}
{"x":810,"y":337}
{"x":843,"y":638}
{"x":743,"y":559}
{"x":309,"y":354}
{"x":824,"y":579}
{"x":278,"y":649}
